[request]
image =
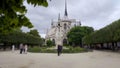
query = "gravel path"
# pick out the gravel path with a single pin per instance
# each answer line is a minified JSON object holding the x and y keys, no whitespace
{"x":95,"y":59}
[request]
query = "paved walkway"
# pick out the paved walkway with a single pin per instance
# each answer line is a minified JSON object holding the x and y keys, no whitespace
{"x":95,"y":59}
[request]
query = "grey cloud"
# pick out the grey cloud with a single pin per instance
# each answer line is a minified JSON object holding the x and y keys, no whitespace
{"x":95,"y":13}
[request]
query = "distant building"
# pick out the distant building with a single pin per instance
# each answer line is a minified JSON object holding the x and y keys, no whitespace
{"x":58,"y":31}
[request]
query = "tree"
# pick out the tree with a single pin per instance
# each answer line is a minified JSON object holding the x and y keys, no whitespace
{"x":17,"y":37}
{"x":108,"y":34}
{"x":49,"y":43}
{"x":34,"y":33}
{"x":12,"y":13}
{"x":76,"y":34}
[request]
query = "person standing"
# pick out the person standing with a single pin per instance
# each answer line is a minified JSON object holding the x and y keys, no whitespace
{"x":21,"y":48}
{"x":59,"y":50}
{"x":26,"y":48}
{"x":13,"y":48}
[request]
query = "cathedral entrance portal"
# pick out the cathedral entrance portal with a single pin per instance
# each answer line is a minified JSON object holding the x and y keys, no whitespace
{"x":64,"y":41}
{"x":53,"y":40}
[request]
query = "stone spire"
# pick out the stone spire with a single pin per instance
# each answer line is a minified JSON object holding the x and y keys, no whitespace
{"x":58,"y":16}
{"x":66,"y":14}
{"x":52,"y":23}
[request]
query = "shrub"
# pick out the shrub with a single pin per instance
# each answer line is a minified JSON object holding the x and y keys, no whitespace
{"x":47,"y":50}
{"x":34,"y":49}
{"x":74,"y":50}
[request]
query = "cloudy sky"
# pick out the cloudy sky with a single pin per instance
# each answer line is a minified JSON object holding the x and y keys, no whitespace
{"x":94,"y":13}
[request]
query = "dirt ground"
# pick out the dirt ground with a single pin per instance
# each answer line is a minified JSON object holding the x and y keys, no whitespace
{"x":95,"y":59}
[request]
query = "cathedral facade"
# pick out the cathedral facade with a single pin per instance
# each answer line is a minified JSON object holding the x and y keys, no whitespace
{"x":58,"y":31}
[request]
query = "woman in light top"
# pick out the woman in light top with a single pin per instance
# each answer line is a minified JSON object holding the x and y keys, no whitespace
{"x":13,"y":48}
{"x":26,"y":48}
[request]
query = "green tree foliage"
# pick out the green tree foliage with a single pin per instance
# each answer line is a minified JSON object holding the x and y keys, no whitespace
{"x":49,"y":43}
{"x":12,"y":13}
{"x":76,"y":34}
{"x":110,"y":33}
{"x":17,"y":37}
{"x":34,"y":33}
{"x":38,"y":2}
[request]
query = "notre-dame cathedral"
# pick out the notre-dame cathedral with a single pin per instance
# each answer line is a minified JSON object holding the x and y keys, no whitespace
{"x":58,"y":31}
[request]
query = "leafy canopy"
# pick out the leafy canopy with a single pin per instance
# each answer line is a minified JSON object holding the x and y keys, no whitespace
{"x":34,"y":33}
{"x":12,"y":13}
{"x":76,"y":34}
{"x":110,"y":33}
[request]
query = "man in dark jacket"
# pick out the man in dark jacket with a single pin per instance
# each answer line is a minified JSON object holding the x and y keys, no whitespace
{"x":59,"y":50}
